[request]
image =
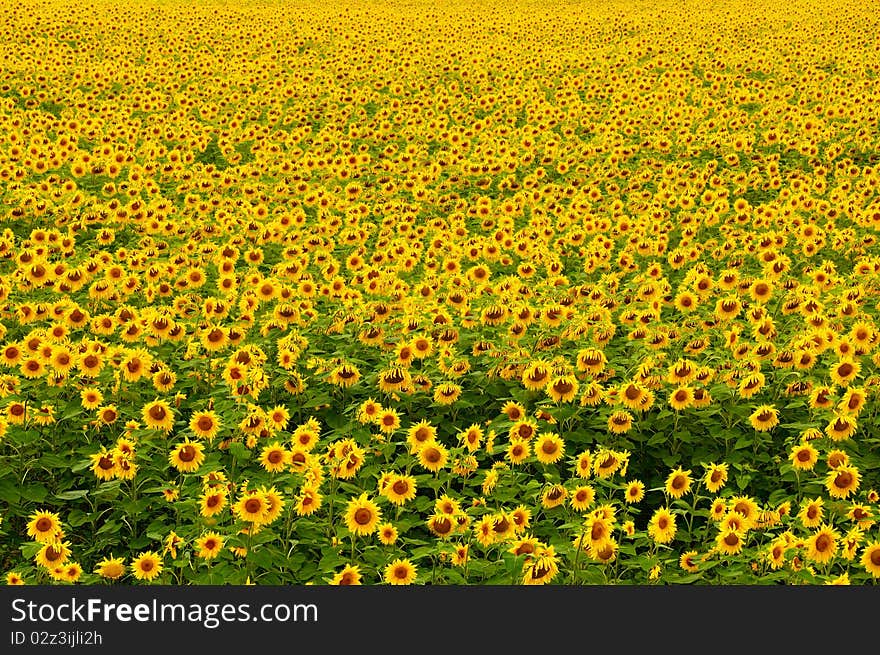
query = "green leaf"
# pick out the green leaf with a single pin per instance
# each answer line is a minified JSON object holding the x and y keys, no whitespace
{"x":73,"y":494}
{"x":36,"y":493}
{"x":9,"y":491}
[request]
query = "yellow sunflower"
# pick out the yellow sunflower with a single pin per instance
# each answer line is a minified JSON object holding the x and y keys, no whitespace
{"x":362,"y":516}
{"x":158,"y":415}
{"x":147,"y":566}
{"x":188,"y":456}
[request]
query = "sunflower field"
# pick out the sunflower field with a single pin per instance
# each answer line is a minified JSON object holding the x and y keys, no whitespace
{"x":461,"y":293}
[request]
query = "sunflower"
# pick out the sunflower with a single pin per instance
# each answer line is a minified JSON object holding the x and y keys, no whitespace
{"x":521,"y":517}
{"x":388,"y":420}
{"x":661,"y":527}
{"x":72,"y":572}
{"x":836,"y":458}
{"x":841,"y":426}
{"x":518,"y":451}
{"x":811,"y":513}
{"x":853,"y":401}
{"x":745,"y":507}
{"x":387,"y":534}
{"x":305,"y":437}
{"x":158,"y":415}
{"x":635,"y":492}
{"x":523,"y":429}
{"x":251,"y":507}
{"x":727,"y":308}
{"x":446,"y":393}
{"x":11,"y":354}
{"x":871,"y":558}
{"x":715,"y":477}
{"x":400,"y":489}
{"x":729,"y":542}
{"x":591,"y":360}
{"x":632,"y":395}
{"x":32,"y":368}
{"x":553,"y":496}
{"x":441,"y":524}
{"x":764,"y":418}
{"x":205,"y":424}
{"x":803,"y":456}
{"x":583,"y":467}
{"x":775,"y":553}
{"x":125,"y":468}
{"x":111,"y":568}
{"x":471,"y":437}
{"x":420,"y":434}
{"x":536,"y":376}
{"x":597,"y":530}
{"x":400,"y":572}
{"x":549,"y":448}
{"x":718,"y":509}
{"x":147,"y":566}
{"x":362,"y":516}
{"x":750,"y":385}
{"x":45,"y":527}
{"x":541,"y":567}
{"x":212,"y":501}
{"x":681,"y":398}
{"x":842,"y":481}
{"x":460,"y":555}
{"x":582,"y":497}
{"x":845,"y":371}
{"x":733,"y":521}
{"x":107,"y":414}
{"x":861,"y":514}
{"x":308,"y":501}
{"x":821,"y":397}
{"x":274,"y":458}
{"x":91,"y":398}
{"x":209,"y":545}
{"x":433,"y":456}
{"x":678,"y":483}
{"x":606,"y":463}
{"x":368,"y":411}
{"x":348,"y":576}
{"x":422,"y":346}
{"x":822,"y":545}
{"x":274,"y":504}
{"x":620,"y":422}
{"x":686,"y":561}
{"x":514,"y":411}
{"x":14,"y":579}
{"x":563,"y":389}
{"x":686,"y":302}
{"x":188,"y":456}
